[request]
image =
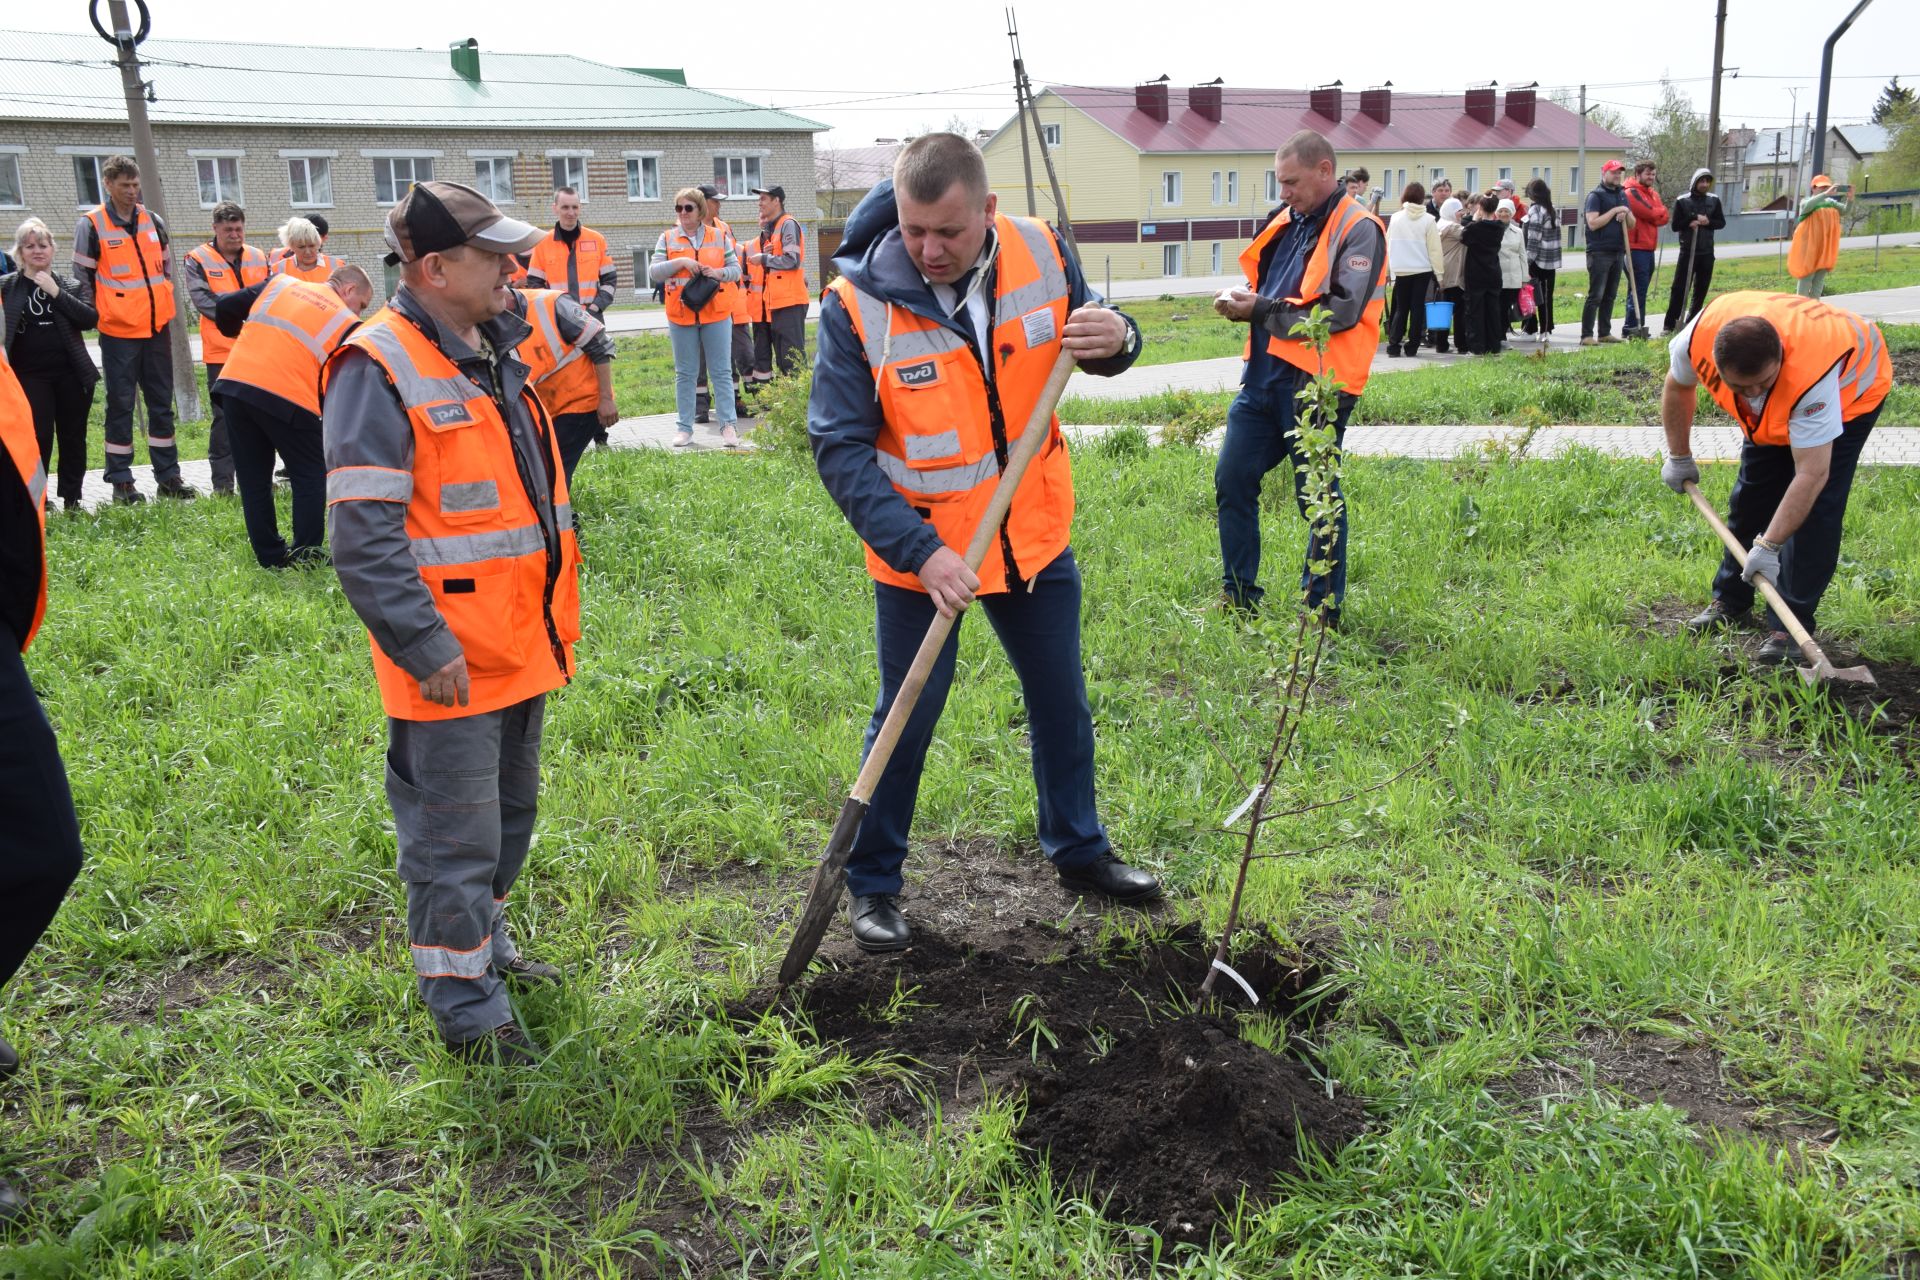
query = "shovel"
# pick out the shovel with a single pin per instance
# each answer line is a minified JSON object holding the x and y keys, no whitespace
{"x":823,"y":896}
{"x":1822,"y":669}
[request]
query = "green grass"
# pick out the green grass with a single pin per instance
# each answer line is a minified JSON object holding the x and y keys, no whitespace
{"x":228,"y":1073}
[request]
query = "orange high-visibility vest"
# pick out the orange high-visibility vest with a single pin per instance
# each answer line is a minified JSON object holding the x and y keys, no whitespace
{"x":322,"y":270}
{"x":224,"y":277}
{"x":712,"y":253}
{"x":292,"y":329}
{"x":131,"y":287}
{"x":1816,"y":338}
{"x":509,"y":595}
{"x":1815,"y":245}
{"x":559,"y":371}
{"x":549,"y":258}
{"x":947,"y":430}
{"x":23,"y":451}
{"x":727,"y":302}
{"x":1350,"y":352}
{"x":773,"y":290}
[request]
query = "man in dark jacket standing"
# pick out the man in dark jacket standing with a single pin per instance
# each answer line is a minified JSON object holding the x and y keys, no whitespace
{"x":1696,"y":216}
{"x":935,"y":344}
{"x":1608,"y":221}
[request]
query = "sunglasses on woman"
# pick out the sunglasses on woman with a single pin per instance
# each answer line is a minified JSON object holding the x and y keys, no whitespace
{"x":686,"y":208}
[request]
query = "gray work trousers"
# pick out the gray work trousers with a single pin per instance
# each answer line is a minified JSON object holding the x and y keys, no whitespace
{"x":463,"y":794}
{"x":783,"y":333}
{"x":143,"y":366}
{"x":219,"y":446}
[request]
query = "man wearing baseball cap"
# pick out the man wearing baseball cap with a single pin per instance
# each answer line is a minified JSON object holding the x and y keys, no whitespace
{"x":777,"y":287}
{"x":454,"y":542}
{"x":1608,"y":219}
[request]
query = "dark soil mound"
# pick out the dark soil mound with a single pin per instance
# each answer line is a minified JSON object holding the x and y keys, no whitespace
{"x":1890,"y":705}
{"x":1183,"y":1119}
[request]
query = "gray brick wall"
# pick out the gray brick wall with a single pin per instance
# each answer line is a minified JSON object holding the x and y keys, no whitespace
{"x":686,"y":158}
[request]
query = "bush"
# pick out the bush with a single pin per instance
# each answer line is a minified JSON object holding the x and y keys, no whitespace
{"x":783,"y":416}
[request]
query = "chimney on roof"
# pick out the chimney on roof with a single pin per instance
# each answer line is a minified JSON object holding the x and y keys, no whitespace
{"x":1152,"y":99}
{"x":1480,"y":104}
{"x":1520,"y":103}
{"x":465,"y":56}
{"x":1326,"y":101}
{"x":1204,"y":101}
{"x":1378,"y":103}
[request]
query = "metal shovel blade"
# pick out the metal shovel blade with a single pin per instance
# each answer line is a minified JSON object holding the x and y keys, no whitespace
{"x":1824,"y":671}
{"x":823,"y":895}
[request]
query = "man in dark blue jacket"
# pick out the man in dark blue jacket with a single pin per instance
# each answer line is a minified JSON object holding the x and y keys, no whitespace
{"x":933,"y":347}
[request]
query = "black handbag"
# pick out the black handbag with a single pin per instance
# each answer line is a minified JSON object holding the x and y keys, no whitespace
{"x":698,"y":292}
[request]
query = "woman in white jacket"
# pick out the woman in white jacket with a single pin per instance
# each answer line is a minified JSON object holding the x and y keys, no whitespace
{"x":1513,"y":264}
{"x":1413,"y":258}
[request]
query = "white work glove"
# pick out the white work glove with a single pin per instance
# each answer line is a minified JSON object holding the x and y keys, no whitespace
{"x":1676,"y":471}
{"x":1762,"y":558}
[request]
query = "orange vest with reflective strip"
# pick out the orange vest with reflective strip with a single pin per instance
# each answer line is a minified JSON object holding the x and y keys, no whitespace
{"x":549,"y":258}
{"x":713,"y":253}
{"x":131,"y":287}
{"x":1817,"y":338}
{"x":509,"y":593}
{"x":1349,"y":352}
{"x":23,"y":451}
{"x":223,"y":277}
{"x":319,"y":273}
{"x":292,"y":329}
{"x":947,"y":432}
{"x":558,"y":371}
{"x":731,"y":300}
{"x":773,"y":290}
{"x":1816,"y":244}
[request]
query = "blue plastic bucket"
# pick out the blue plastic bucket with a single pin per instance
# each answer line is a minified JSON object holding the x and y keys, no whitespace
{"x":1440,"y":315}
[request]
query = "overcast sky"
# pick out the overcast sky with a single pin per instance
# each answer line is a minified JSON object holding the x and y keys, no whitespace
{"x":874,"y":78}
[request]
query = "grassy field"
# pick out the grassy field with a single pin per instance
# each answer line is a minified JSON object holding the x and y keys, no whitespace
{"x":1626,"y":842}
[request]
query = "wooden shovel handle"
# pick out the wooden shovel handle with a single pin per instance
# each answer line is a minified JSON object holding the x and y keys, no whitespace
{"x":1039,"y":427}
{"x":1813,"y":652}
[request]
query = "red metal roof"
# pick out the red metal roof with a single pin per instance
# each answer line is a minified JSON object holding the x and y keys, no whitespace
{"x":1260,"y":119}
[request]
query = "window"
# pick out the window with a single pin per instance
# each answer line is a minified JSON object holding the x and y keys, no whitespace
{"x":1169,"y":188}
{"x":571,"y":171}
{"x":87,"y":187}
{"x":643,"y":177}
{"x":310,"y":182}
{"x":1573,"y":178}
{"x":1435,"y":175}
{"x":12,"y":194}
{"x":1216,"y":186}
{"x":1233,"y":186}
{"x":493,"y":178}
{"x":1546,"y":176}
{"x":1173,"y":259}
{"x":1273,"y":187}
{"x":736,"y":175}
{"x":219,"y":179}
{"x":394,"y":176}
{"x":1050,"y":134}
{"x":1216,"y":257}
{"x":1506,"y":173}
{"x":1473,"y":179}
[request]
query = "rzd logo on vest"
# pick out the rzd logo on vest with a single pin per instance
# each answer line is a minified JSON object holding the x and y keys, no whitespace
{"x":919,"y":375}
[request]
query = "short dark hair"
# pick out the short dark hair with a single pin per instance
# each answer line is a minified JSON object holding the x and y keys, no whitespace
{"x":1746,"y":346}
{"x":1643,"y":166}
{"x":1414,"y":194}
{"x":1360,"y":175}
{"x":319,"y":222}
{"x":930,"y":165}
{"x":228,"y":211}
{"x":565,"y":191}
{"x":1489,"y":205}
{"x":118,"y":167}
{"x":1308,"y":147}
{"x":1443,"y":181}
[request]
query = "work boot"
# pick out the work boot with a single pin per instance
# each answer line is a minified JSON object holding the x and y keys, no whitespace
{"x":531,"y":972}
{"x":176,"y":489}
{"x":125,"y":495}
{"x":1717,"y":616}
{"x":878,"y":924}
{"x":1776,"y":650}
{"x":1393,"y":352}
{"x":1608,"y":338}
{"x":1112,"y":879}
{"x":9,"y":1059}
{"x":504,"y":1046}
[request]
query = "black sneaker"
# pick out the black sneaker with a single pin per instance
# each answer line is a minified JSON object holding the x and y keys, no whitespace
{"x":1393,"y":352}
{"x":531,"y":972}
{"x":1776,"y":650}
{"x":178,"y":490}
{"x":505,"y":1046}
{"x":125,"y":495}
{"x":1717,"y":616}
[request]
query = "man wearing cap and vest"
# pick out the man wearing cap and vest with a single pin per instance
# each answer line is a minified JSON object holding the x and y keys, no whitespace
{"x":453,"y":538}
{"x":270,"y":391}
{"x":935,"y":344}
{"x":777,"y":287}
{"x":36,"y":805}
{"x":120,"y":248}
{"x":569,"y":358}
{"x":1816,"y":239}
{"x":225,"y":264}
{"x":1805,"y":382}
{"x":1322,"y":249}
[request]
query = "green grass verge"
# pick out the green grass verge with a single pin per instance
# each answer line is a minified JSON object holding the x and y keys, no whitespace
{"x":228,"y":1072}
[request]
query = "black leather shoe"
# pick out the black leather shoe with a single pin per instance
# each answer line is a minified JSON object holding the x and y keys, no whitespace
{"x":9,"y":1059}
{"x":179,"y":489}
{"x":878,"y":924}
{"x":531,"y":972}
{"x":505,"y":1046}
{"x":1776,"y":650}
{"x":13,"y":1202}
{"x":1111,"y":878}
{"x":1716,"y":616}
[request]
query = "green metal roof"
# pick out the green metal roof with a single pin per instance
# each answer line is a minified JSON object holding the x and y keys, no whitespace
{"x":66,"y":77}
{"x":677,"y":75}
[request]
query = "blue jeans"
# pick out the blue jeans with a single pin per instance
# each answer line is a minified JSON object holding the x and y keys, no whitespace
{"x":1259,"y":424}
{"x":1040,"y":630}
{"x":714,"y":339}
{"x":1637,"y":290}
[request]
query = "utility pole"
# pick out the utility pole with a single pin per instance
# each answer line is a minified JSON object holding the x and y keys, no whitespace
{"x":1826,"y":81}
{"x":1579,"y":224}
{"x":186,"y":390}
{"x":1046,"y":156}
{"x":1020,"y":105}
{"x":1713,"y":102}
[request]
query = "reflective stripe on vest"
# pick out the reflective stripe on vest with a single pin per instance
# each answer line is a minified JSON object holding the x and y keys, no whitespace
{"x":291,"y":330}
{"x":132,"y":291}
{"x":1816,"y":338}
{"x":222,"y":278}
{"x":783,"y":286}
{"x":1350,"y":352}
{"x":564,"y":383}
{"x":549,"y":258}
{"x":712,"y":252}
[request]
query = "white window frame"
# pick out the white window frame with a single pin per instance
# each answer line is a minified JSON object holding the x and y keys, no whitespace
{"x":1050,"y":134}
{"x":1546,"y":175}
{"x":636,"y":166}
{"x":1216,"y":258}
{"x":1506,"y":173}
{"x":1171,"y":184}
{"x":1573,"y":178}
{"x":10,"y":155}
{"x":490,"y":159}
{"x":95,"y":154}
{"x":239,"y":193}
{"x":1216,"y":186}
{"x":560,"y":165}
{"x":387,"y":157}
{"x":723,"y":162}
{"x":1233,"y":189}
{"x":1273,"y":187}
{"x":1434,"y":177}
{"x":1473,"y":179}
{"x":307,"y":159}
{"x":1173,"y":258}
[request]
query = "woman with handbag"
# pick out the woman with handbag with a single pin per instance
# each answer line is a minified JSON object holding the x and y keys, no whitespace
{"x":693,"y":260}
{"x":1542,"y":229}
{"x":46,"y":314}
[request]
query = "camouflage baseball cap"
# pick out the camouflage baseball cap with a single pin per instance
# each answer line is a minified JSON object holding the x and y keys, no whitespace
{"x":436,"y":216}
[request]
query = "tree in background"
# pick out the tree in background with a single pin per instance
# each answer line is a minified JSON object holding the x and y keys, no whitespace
{"x":1895,"y":104}
{"x":1673,"y":137}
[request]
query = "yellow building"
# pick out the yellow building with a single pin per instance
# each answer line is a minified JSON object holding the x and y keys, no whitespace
{"x":1176,"y":183}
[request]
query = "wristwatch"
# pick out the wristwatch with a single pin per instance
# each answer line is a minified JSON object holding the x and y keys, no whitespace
{"x":1131,"y":347}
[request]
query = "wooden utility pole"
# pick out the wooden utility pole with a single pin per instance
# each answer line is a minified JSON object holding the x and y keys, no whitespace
{"x":186,"y":389}
{"x":1065,"y":220}
{"x":1580,"y":223}
{"x":1713,"y":101}
{"x":1020,"y":107}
